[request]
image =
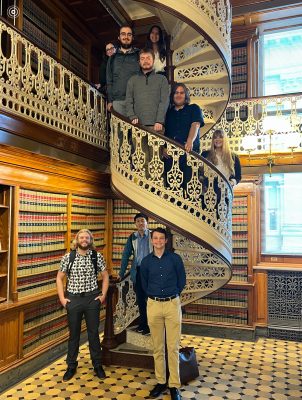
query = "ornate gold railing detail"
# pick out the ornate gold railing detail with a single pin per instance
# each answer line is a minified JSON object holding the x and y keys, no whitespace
{"x":257,"y":117}
{"x":199,"y":200}
{"x":215,"y":13}
{"x":35,"y":86}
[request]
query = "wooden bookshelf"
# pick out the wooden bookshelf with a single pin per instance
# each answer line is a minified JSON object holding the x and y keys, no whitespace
{"x":239,"y":71}
{"x":40,"y":27}
{"x":74,"y":53}
{"x":233,"y":305}
{"x":5,"y":224}
{"x":42,"y":238}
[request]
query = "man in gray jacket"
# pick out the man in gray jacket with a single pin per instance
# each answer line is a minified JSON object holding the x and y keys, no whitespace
{"x":121,"y":66}
{"x":147,"y":98}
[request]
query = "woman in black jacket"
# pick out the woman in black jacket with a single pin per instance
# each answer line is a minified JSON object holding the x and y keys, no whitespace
{"x":225,"y":161}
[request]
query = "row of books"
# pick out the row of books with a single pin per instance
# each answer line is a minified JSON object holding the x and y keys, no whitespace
{"x":99,"y":238}
{"x":126,"y":223}
{"x":42,"y":313}
{"x":42,"y":202}
{"x":92,"y":222}
{"x":239,"y":91}
{"x":40,"y":18}
{"x":28,"y":286}
{"x":239,"y":55}
{"x":121,"y":207}
{"x":239,"y":259}
{"x":40,"y":38}
{"x":40,"y":242}
{"x":239,"y":210}
{"x":228,"y":297}
{"x":230,"y":114}
{"x":117,"y":251}
{"x":120,"y":236}
{"x":239,"y":219}
{"x":199,"y":312}
{"x":239,"y":73}
{"x":87,"y":205}
{"x":240,"y":201}
{"x":74,"y":47}
{"x":239,"y":244}
{"x":239,"y":227}
{"x":51,"y":264}
{"x":35,"y":338}
{"x":38,"y":222}
{"x":239,"y":273}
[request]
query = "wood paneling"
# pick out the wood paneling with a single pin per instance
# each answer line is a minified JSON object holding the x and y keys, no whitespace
{"x":260,"y":309}
{"x":9,"y":334}
{"x":41,"y":134}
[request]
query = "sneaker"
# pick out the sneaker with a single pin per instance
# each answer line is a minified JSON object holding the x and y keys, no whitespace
{"x":139,"y":329}
{"x":158,"y":389}
{"x":69,"y":374}
{"x":146,"y":331}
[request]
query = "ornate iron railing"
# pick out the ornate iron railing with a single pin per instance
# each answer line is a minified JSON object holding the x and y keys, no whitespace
{"x":198,"y":198}
{"x":255,"y":117}
{"x":198,"y":207}
{"x":35,"y":86}
{"x":216,"y":13}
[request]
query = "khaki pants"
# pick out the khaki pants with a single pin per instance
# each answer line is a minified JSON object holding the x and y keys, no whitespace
{"x":165,"y":317}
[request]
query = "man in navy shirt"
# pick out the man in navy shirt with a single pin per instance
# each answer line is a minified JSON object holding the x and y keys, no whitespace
{"x":163,"y":279}
{"x":183,"y":122}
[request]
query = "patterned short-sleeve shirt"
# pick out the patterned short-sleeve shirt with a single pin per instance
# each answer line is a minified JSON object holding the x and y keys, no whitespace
{"x":82,"y":277}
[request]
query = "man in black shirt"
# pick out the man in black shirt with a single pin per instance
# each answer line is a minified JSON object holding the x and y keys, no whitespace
{"x":163,"y":279}
{"x":83,"y":297}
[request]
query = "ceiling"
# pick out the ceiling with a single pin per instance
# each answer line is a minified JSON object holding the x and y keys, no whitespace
{"x":103,"y":17}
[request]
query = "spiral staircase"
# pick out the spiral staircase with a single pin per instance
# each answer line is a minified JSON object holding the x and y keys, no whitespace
{"x":199,"y":219}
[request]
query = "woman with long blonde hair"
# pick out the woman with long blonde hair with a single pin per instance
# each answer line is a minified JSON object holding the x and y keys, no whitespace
{"x":225,"y":161}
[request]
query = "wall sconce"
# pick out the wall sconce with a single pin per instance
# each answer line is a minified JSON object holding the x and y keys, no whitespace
{"x":290,"y":140}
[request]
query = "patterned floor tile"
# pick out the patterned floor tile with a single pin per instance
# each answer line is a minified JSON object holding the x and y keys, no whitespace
{"x":265,"y":370}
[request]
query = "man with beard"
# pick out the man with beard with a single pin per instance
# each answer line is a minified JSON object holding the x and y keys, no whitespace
{"x":82,"y":266}
{"x":147,"y":99}
{"x":121,"y":66}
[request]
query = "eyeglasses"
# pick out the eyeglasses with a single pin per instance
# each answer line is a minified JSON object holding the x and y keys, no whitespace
{"x":110,"y":49}
{"x":126,"y":34}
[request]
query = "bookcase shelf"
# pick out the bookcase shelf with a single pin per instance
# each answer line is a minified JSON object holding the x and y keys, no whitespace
{"x":74,"y":54}
{"x":89,"y":213}
{"x":239,"y":71}
{"x":5,"y":240}
{"x":40,"y":27}
{"x":232,"y":305}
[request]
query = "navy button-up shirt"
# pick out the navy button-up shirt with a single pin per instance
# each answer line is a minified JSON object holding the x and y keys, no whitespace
{"x":164,"y":276}
{"x":178,"y":123}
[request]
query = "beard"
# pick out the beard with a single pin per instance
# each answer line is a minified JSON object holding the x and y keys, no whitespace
{"x":126,"y":46}
{"x":84,"y":247}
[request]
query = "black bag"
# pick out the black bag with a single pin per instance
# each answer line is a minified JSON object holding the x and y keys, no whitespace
{"x":188,"y":366}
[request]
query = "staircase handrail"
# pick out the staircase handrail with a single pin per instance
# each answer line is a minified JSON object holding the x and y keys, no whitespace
{"x":50,"y":95}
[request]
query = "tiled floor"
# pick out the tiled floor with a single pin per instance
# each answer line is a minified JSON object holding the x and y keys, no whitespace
{"x":267,"y":369}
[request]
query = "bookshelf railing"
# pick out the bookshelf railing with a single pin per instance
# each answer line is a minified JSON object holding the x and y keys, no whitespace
{"x":253,"y":119}
{"x":36,"y":87}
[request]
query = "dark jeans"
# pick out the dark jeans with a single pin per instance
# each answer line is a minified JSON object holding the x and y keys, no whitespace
{"x":89,"y":308}
{"x":141,"y":299}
